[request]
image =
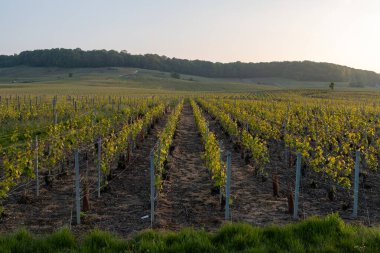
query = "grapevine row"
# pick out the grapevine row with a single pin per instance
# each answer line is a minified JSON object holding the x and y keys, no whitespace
{"x":256,"y":147}
{"x":325,"y":134}
{"x":211,"y":155}
{"x":165,"y":140}
{"x":64,"y":137}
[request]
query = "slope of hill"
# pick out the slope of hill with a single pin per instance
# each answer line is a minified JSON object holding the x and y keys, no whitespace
{"x":136,"y":81}
{"x":299,"y":71}
{"x":115,"y":80}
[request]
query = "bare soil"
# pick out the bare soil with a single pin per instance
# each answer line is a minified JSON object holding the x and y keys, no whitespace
{"x":186,"y":199}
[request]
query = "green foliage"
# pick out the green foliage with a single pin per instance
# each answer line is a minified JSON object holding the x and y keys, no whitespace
{"x":78,"y":128}
{"x":329,"y":234}
{"x":324,"y":130}
{"x":17,"y":160}
{"x":114,"y":144}
{"x":211,"y":155}
{"x":256,"y":146}
{"x":100,"y":241}
{"x":165,"y":140}
{"x":332,"y":85}
{"x":22,"y":241}
{"x":175,"y":75}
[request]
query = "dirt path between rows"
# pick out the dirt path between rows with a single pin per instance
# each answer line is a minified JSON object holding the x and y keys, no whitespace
{"x":186,"y":199}
{"x":122,"y":209}
{"x":253,"y":201}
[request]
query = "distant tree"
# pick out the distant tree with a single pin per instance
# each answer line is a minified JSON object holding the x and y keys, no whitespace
{"x":332,"y":84}
{"x":175,"y":75}
{"x":70,"y":75}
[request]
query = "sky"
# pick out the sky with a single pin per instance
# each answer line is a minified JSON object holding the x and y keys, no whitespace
{"x":345,"y":32}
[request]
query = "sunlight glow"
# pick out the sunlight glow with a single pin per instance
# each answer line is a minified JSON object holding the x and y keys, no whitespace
{"x":340,"y":31}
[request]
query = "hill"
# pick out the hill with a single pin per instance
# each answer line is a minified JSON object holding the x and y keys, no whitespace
{"x":117,"y":80}
{"x":298,"y":71}
{"x":135,"y":80}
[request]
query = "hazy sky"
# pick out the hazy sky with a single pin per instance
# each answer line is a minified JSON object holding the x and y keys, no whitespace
{"x":346,"y":32}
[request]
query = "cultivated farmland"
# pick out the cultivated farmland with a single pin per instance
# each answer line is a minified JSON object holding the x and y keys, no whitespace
{"x":124,"y":163}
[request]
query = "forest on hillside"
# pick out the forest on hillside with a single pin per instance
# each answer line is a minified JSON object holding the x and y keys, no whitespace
{"x":296,"y":70}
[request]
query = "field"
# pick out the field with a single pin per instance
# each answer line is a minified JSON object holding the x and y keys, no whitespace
{"x":80,"y":148}
{"x":31,"y":80}
{"x":115,"y":80}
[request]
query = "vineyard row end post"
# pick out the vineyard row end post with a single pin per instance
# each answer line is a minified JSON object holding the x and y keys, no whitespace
{"x":297,"y":188}
{"x":36,"y":168}
{"x":99,"y":164}
{"x":77,"y":186}
{"x":152,"y":188}
{"x":228,"y":186}
{"x":356,"y":185}
{"x":159,"y":152}
{"x":221,"y":161}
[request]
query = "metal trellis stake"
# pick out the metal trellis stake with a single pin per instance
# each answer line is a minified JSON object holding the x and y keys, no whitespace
{"x":99,"y":164}
{"x":152,"y":188}
{"x":37,"y":172}
{"x":356,"y":185}
{"x":221,"y":163}
{"x":297,"y":188}
{"x":159,"y":153}
{"x":55,"y":118}
{"x":228,"y":186}
{"x":77,"y":186}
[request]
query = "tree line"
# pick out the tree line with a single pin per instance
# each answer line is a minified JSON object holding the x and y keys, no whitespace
{"x":296,"y":70}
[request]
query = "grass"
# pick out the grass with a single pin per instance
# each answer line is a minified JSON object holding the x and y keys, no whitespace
{"x":126,"y":81}
{"x":23,"y":80}
{"x":329,"y":234}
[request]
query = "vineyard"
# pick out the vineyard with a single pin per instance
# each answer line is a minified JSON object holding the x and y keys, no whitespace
{"x":126,"y":163}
